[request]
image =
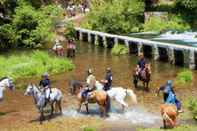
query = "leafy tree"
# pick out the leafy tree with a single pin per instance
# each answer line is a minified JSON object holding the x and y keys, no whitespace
{"x":115,"y":16}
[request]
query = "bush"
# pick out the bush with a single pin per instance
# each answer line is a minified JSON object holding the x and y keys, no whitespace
{"x":192,"y":106}
{"x":89,"y":129}
{"x":116,"y":16}
{"x":173,"y":22}
{"x":30,"y":27}
{"x":69,"y":30}
{"x":33,"y":64}
{"x":184,"y":77}
{"x":119,"y":49}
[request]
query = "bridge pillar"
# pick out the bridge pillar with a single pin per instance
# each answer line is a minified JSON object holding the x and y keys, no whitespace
{"x":155,"y":52}
{"x":80,"y":35}
{"x":186,"y":54}
{"x":139,"y":47}
{"x":96,"y":40}
{"x":171,"y":55}
{"x":105,"y":41}
{"x":89,"y":37}
{"x":192,"y":59}
{"x":126,"y":43}
{"x":115,"y":41}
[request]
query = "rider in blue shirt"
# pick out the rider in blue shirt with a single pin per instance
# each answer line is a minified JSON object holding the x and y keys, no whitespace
{"x":108,"y":80}
{"x":141,"y":63}
{"x":45,"y":83}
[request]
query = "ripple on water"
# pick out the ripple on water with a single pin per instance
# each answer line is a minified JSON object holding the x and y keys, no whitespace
{"x":135,"y":115}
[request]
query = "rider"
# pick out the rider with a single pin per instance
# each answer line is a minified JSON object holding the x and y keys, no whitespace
{"x":108,"y":79}
{"x":141,"y":63}
{"x":45,"y":85}
{"x":169,"y":95}
{"x":91,"y":81}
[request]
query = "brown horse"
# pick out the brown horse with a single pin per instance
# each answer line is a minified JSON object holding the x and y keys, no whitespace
{"x":98,"y":96}
{"x":144,"y":76}
{"x":169,"y":115}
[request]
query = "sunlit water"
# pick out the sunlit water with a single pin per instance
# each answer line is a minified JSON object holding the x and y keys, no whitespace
{"x":185,"y":38}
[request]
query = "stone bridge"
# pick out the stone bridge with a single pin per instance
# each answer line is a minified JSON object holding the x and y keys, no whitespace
{"x":175,"y":54}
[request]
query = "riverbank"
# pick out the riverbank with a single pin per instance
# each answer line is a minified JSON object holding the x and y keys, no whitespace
{"x":24,"y":65}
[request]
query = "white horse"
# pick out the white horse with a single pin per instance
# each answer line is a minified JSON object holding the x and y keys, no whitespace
{"x":5,"y":82}
{"x":119,"y":94}
{"x":40,"y":101}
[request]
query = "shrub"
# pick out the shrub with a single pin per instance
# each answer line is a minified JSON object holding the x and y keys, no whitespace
{"x":33,"y":64}
{"x":115,"y":16}
{"x":173,"y":22}
{"x":69,"y":30}
{"x":184,"y":77}
{"x":192,"y":106}
{"x":119,"y":49}
{"x":89,"y":129}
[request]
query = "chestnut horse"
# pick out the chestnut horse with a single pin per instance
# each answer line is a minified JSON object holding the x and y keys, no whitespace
{"x":98,"y":96}
{"x":169,"y":115}
{"x":144,"y":76}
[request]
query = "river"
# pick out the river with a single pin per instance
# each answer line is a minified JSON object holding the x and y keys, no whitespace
{"x":17,"y":109}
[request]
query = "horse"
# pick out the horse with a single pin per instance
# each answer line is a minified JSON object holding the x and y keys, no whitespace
{"x":117,"y":93}
{"x":144,"y":76}
{"x":97,"y":96}
{"x":75,"y":85}
{"x":169,"y":115}
{"x":41,"y":102}
{"x":5,"y":82}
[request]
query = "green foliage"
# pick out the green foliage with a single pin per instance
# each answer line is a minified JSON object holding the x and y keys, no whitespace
{"x":173,"y":22}
{"x":89,"y":129}
{"x":184,"y":77}
{"x":119,"y":49}
{"x":192,"y":106}
{"x":115,"y":16}
{"x":30,"y":27}
{"x":33,"y":64}
{"x":69,"y":30}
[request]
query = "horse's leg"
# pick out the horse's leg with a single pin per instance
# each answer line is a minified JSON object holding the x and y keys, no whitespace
{"x":60,"y":106}
{"x":79,"y":108}
{"x":52,"y":109}
{"x":41,"y":115}
{"x":164,"y":124}
{"x":87,"y":110}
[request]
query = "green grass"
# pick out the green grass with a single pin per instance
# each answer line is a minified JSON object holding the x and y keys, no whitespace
{"x":184,"y":77}
{"x":179,"y":128}
{"x":191,"y":104}
{"x":119,"y":49}
{"x":33,"y":64}
{"x":89,"y":129}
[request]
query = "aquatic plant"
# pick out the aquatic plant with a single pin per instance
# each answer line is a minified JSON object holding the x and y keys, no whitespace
{"x":119,"y":49}
{"x":33,"y":64}
{"x":184,"y":77}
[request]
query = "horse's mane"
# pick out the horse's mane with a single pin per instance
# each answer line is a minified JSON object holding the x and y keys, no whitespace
{"x":3,"y":78}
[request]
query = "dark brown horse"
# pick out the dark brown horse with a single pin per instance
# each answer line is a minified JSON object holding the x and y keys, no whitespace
{"x":144,"y":76}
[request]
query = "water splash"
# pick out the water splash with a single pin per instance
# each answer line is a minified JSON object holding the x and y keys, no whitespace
{"x":135,"y":115}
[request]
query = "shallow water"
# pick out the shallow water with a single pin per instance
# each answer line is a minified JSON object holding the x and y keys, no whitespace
{"x":19,"y":109}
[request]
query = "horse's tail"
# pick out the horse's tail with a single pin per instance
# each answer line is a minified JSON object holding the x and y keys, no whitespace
{"x":132,"y":95}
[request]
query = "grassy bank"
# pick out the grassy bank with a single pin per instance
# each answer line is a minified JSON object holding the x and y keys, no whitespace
{"x":33,"y":64}
{"x":179,"y":128}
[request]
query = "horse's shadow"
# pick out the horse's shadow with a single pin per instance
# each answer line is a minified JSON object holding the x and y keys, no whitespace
{"x":46,"y":117}
{"x":5,"y":113}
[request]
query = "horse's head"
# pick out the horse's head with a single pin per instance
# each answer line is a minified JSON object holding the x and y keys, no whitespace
{"x":7,"y":82}
{"x":30,"y":90}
